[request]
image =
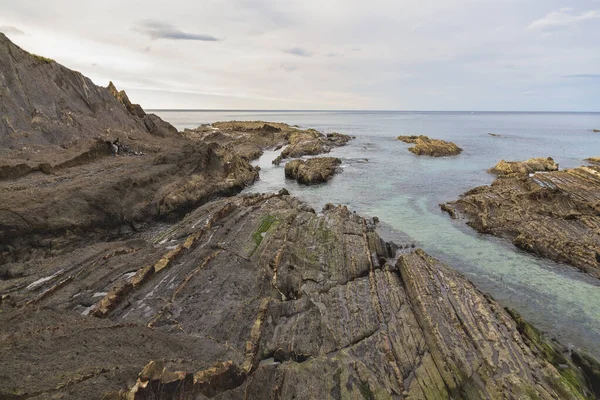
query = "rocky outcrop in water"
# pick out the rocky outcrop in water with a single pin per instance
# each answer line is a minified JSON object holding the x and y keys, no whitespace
{"x":553,"y":214}
{"x":593,"y":160}
{"x":259,"y":297}
{"x":524,"y":167}
{"x":430,"y":147}
{"x":314,"y":170}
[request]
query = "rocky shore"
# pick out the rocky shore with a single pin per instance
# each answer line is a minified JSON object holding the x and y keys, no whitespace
{"x":552,"y":214}
{"x":147,"y":276}
{"x":430,"y":147}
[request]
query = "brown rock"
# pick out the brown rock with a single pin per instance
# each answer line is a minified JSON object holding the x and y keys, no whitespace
{"x":292,"y":303}
{"x":524,"y":167}
{"x":313,"y":170}
{"x":593,"y":160}
{"x":430,"y":147}
{"x":553,"y":214}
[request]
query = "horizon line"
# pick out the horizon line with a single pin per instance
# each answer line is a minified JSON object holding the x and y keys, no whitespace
{"x":365,"y":110}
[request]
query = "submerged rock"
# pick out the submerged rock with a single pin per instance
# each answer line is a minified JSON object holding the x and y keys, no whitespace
{"x":524,"y":167}
{"x":430,"y":147}
{"x":193,"y":311}
{"x":314,"y":170}
{"x":553,"y":214}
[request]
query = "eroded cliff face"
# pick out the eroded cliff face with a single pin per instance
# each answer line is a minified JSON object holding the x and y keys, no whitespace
{"x":553,"y":214}
{"x":259,"y":297}
{"x":45,"y":106}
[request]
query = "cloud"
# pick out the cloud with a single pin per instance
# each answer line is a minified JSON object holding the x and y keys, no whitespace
{"x":11,"y":30}
{"x":298,"y":51}
{"x":561,"y":19}
{"x":583,"y":76}
{"x":331,"y":55}
{"x":161,"y":30}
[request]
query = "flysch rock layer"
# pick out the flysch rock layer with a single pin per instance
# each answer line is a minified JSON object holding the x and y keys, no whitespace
{"x":259,"y":297}
{"x":554,"y":214}
{"x":430,"y":147}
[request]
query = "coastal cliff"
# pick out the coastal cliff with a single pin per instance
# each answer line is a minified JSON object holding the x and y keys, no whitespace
{"x":145,"y":275}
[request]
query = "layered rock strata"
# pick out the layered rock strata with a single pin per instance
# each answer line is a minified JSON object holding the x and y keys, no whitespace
{"x":555,"y":214}
{"x":313,"y":170}
{"x":259,"y":297}
{"x":430,"y":147}
{"x":47,"y":108}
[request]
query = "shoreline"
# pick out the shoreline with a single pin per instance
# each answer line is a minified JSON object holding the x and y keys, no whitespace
{"x":238,"y":291}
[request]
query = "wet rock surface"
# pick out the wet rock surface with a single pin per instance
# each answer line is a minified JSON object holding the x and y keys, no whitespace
{"x":259,"y":297}
{"x":553,"y":214}
{"x":313,"y":170}
{"x":430,"y":147}
{"x":524,"y":167}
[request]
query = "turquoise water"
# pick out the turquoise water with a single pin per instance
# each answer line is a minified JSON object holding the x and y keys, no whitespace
{"x":381,"y":178}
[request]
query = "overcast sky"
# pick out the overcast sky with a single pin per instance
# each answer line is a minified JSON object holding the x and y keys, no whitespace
{"x":325,"y":54}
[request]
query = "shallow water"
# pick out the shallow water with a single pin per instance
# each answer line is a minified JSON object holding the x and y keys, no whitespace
{"x":381,"y":178}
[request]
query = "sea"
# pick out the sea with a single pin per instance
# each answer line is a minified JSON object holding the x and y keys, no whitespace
{"x":381,"y":178}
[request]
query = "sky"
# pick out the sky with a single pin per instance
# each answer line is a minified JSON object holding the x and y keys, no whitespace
{"x":504,"y":55}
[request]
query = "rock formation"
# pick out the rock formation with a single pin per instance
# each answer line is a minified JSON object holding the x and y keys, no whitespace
{"x":553,"y":214}
{"x":593,"y":160}
{"x":313,"y":170}
{"x":47,"y":107}
{"x":524,"y":167}
{"x":259,"y":297}
{"x":139,"y":278}
{"x":430,"y":147}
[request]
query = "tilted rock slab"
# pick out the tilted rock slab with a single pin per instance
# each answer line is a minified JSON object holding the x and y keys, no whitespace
{"x":554,"y":214}
{"x":259,"y":297}
{"x":430,"y":147}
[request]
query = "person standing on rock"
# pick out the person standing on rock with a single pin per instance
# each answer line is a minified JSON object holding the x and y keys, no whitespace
{"x":115,"y":147}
